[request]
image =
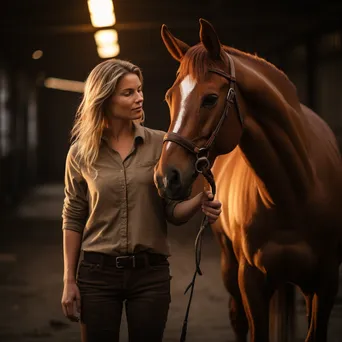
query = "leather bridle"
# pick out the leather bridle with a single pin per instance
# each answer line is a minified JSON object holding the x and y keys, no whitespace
{"x":202,"y":163}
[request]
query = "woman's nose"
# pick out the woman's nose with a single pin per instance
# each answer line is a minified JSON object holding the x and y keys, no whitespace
{"x":140,"y":97}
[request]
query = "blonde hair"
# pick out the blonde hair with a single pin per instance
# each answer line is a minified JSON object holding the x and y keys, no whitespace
{"x":90,"y":119}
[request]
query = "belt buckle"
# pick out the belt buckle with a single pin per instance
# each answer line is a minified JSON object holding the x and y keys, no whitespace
{"x":117,"y":260}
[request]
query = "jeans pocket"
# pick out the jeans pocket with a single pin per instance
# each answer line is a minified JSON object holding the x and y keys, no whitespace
{"x":84,"y":270}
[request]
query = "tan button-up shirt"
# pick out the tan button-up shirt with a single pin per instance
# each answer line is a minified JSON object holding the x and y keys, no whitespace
{"x":116,"y":206}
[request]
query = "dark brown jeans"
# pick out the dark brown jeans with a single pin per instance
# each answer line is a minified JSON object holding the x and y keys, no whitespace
{"x":145,"y":292}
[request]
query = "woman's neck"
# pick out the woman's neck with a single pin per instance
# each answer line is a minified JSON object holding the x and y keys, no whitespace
{"x":119,"y":129}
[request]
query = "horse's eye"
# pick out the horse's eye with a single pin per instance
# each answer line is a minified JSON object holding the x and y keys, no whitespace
{"x":209,"y":101}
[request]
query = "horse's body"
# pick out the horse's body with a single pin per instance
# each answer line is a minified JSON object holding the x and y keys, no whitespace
{"x":280,"y":184}
{"x":246,"y":199}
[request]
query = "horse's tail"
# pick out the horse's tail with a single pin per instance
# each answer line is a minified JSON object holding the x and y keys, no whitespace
{"x":282,"y":314}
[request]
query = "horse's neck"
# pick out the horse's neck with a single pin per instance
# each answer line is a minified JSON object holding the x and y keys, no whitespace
{"x":274,"y":75}
{"x":274,"y":139}
{"x":239,"y":189}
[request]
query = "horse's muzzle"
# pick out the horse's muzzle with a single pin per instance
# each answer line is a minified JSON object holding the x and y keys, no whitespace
{"x":170,"y":184}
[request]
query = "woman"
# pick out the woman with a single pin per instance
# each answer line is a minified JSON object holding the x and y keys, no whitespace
{"x":113,"y":214}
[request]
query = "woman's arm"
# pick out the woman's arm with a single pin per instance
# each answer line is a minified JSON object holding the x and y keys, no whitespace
{"x":71,"y":294}
{"x":75,"y":212}
{"x":183,"y":211}
{"x":71,"y":253}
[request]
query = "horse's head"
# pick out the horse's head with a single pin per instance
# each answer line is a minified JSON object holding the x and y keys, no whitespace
{"x":205,"y":119}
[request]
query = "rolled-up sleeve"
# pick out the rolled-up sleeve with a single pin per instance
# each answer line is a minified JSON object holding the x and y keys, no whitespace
{"x":169,"y":206}
{"x":75,"y":207}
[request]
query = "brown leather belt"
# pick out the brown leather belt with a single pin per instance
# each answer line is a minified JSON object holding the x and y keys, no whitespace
{"x":139,"y":260}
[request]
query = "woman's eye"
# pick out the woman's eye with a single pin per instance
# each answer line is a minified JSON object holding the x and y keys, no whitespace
{"x":131,"y":92}
{"x":209,"y":101}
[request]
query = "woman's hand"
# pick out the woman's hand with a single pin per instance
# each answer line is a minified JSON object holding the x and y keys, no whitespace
{"x":211,"y":208}
{"x":71,"y":301}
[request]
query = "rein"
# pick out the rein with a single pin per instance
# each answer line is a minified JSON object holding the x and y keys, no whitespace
{"x":202,"y":165}
{"x":198,"y":271}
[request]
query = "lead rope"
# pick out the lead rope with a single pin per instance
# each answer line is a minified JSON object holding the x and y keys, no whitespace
{"x":198,"y":251}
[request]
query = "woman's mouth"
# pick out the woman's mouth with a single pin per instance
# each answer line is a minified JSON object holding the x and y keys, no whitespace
{"x":137,"y":109}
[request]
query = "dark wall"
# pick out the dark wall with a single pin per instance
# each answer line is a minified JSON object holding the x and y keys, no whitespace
{"x":17,"y":133}
{"x":156,"y":109}
{"x":315,"y":67}
{"x":56,"y":115}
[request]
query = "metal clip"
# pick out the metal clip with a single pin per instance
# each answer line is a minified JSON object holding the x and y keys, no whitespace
{"x":202,"y":164}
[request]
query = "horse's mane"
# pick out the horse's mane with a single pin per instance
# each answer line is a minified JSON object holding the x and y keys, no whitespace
{"x":197,"y":61}
{"x":261,"y":61}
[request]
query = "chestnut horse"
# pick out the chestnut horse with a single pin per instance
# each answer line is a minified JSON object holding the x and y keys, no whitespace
{"x":278,"y":174}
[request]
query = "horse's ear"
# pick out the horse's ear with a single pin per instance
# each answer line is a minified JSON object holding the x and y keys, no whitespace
{"x":176,"y":47}
{"x":210,"y":39}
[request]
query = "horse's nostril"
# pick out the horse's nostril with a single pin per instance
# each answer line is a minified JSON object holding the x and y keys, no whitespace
{"x":173,"y":179}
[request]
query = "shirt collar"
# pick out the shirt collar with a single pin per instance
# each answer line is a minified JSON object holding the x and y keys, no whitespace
{"x":139,"y":133}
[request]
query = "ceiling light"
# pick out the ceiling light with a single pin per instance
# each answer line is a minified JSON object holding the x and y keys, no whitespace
{"x":101,"y":13}
{"x":37,"y":54}
{"x":108,"y":51}
{"x":106,"y":37}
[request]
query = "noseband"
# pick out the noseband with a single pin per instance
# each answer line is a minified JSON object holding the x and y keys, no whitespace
{"x":202,"y":164}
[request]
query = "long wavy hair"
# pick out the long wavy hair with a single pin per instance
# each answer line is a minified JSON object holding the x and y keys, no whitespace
{"x":90,"y":119}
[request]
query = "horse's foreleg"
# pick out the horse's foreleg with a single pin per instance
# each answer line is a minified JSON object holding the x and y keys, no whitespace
{"x":322,"y":304}
{"x":238,"y":318}
{"x":229,"y":267}
{"x":256,"y":298}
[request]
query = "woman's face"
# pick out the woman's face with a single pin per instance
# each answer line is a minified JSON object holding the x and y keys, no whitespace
{"x":126,"y":103}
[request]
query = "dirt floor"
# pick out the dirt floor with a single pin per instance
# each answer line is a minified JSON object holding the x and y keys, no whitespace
{"x":31,"y":280}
